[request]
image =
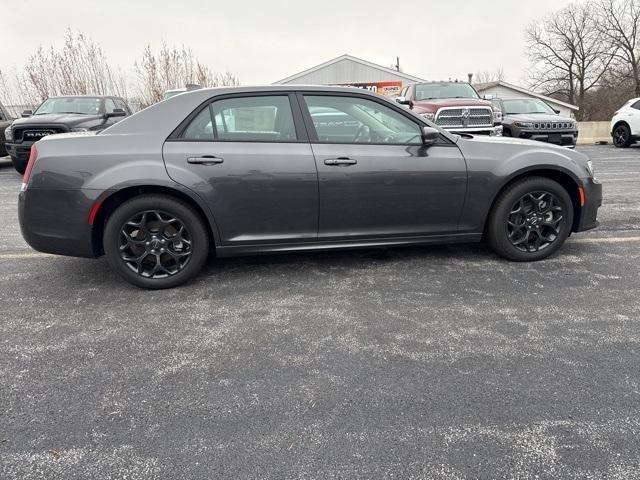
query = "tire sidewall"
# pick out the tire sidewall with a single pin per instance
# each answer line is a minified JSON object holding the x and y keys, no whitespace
{"x":497,"y":230}
{"x":177,"y":208}
{"x":19,"y":165}
{"x":628,"y":133}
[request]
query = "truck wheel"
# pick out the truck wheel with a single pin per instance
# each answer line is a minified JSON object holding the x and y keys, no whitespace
{"x":19,"y":165}
{"x":622,"y":136}
{"x":156,"y":241}
{"x":530,"y":220}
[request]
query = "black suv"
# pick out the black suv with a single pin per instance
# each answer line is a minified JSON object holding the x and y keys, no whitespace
{"x":60,"y":115}
{"x":5,"y":121}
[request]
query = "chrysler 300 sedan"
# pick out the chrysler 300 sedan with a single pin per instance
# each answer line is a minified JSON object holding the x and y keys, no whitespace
{"x":236,"y":171}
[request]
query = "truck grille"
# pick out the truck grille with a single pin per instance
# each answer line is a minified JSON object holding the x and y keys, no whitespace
{"x":33,"y":134}
{"x":464,"y":117}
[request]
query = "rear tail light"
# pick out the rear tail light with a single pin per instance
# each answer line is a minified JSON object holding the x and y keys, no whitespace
{"x":33,"y":156}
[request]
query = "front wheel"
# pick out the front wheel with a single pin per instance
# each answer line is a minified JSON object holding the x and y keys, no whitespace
{"x":530,"y":220}
{"x":19,"y":165}
{"x":622,"y":136}
{"x":156,"y":241}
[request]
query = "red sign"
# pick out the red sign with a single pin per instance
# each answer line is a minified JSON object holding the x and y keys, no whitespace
{"x":381,"y":88}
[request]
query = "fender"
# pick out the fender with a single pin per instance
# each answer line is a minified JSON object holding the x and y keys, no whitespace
{"x":492,"y":164}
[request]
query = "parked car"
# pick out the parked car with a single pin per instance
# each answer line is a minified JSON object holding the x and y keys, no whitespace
{"x":454,"y":106}
{"x":625,"y":124}
{"x":59,"y":115}
{"x":534,"y":119}
{"x":251,"y":170}
{"x":5,"y":121}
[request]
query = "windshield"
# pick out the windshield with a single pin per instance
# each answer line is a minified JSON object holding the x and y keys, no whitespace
{"x":81,"y":105}
{"x":526,"y":106}
{"x":430,"y":91}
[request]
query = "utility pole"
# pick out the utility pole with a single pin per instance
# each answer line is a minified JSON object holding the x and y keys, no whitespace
{"x":397,"y":64}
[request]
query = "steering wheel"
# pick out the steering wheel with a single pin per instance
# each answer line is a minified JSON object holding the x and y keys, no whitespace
{"x":362,"y":131}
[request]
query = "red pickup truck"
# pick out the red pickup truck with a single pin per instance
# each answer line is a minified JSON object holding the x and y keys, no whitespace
{"x":454,"y":106}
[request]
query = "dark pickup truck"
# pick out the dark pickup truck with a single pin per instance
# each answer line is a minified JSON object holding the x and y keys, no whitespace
{"x":5,"y":121}
{"x":61,"y":115}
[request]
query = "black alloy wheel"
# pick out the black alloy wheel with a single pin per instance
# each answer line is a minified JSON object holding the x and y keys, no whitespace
{"x":155,"y":244}
{"x":530,"y":220}
{"x":535,"y":221}
{"x":622,"y":136}
{"x":156,"y":241}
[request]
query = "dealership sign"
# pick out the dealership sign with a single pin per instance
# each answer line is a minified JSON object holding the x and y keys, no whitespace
{"x":381,"y":88}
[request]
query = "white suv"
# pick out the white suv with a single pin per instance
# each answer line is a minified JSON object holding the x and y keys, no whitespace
{"x":625,"y":124}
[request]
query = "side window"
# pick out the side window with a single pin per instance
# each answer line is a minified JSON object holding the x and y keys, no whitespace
{"x":109,"y":105}
{"x":343,"y":119}
{"x":404,"y":91}
{"x":200,"y":128}
{"x":254,"y":119}
{"x":636,"y":105}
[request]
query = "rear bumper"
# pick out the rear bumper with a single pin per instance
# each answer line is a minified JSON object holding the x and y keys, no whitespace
{"x":593,"y":201}
{"x":56,"y":221}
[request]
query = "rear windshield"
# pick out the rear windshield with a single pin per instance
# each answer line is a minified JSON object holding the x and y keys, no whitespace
{"x":81,"y":105}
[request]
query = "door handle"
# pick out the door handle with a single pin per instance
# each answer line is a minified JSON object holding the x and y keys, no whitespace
{"x":205,"y":160}
{"x":340,"y":161}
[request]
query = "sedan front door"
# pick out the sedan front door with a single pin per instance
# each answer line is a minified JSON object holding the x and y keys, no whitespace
{"x":376,"y":178}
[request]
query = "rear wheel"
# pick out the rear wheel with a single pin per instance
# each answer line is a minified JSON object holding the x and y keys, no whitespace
{"x":622,"y":136}
{"x":155,"y":241}
{"x":530,"y":220}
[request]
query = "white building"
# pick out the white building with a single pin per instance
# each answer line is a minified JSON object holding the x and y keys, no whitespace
{"x":507,"y":90}
{"x":353,"y":71}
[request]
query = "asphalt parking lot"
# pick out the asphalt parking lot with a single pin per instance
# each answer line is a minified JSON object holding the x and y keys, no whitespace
{"x":418,"y":363}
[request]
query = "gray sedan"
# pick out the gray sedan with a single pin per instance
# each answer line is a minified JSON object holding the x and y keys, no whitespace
{"x":237,"y":171}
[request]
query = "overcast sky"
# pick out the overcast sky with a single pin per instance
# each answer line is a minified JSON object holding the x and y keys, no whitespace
{"x":262,"y":41}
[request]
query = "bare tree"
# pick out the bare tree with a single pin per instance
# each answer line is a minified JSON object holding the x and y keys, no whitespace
{"x":569,"y":56}
{"x":174,"y":68}
{"x":489,"y":77}
{"x":618,"y":22}
{"x":78,"y":68}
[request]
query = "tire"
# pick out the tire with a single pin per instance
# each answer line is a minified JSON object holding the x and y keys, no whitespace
{"x":530,"y":211}
{"x":19,"y":165}
{"x":145,"y":227}
{"x":506,"y":132}
{"x":622,"y":136}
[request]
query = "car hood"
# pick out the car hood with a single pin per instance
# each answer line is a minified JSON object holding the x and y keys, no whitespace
{"x":500,"y":148}
{"x":69,"y":119}
{"x":536,"y":117}
{"x":435,"y":104}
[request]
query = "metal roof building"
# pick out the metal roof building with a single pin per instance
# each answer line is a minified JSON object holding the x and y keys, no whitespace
{"x":350,"y":70}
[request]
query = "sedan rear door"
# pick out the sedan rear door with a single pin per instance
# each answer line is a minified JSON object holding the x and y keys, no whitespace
{"x":249,"y":157}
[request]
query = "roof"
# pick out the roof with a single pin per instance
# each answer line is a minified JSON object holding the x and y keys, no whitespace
{"x":352,"y":59}
{"x":485,"y":86}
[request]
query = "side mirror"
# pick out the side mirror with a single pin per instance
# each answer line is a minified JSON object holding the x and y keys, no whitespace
{"x":117,"y":112}
{"x":27,"y":113}
{"x":557,"y":111}
{"x":403,"y":100}
{"x":430,"y":135}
